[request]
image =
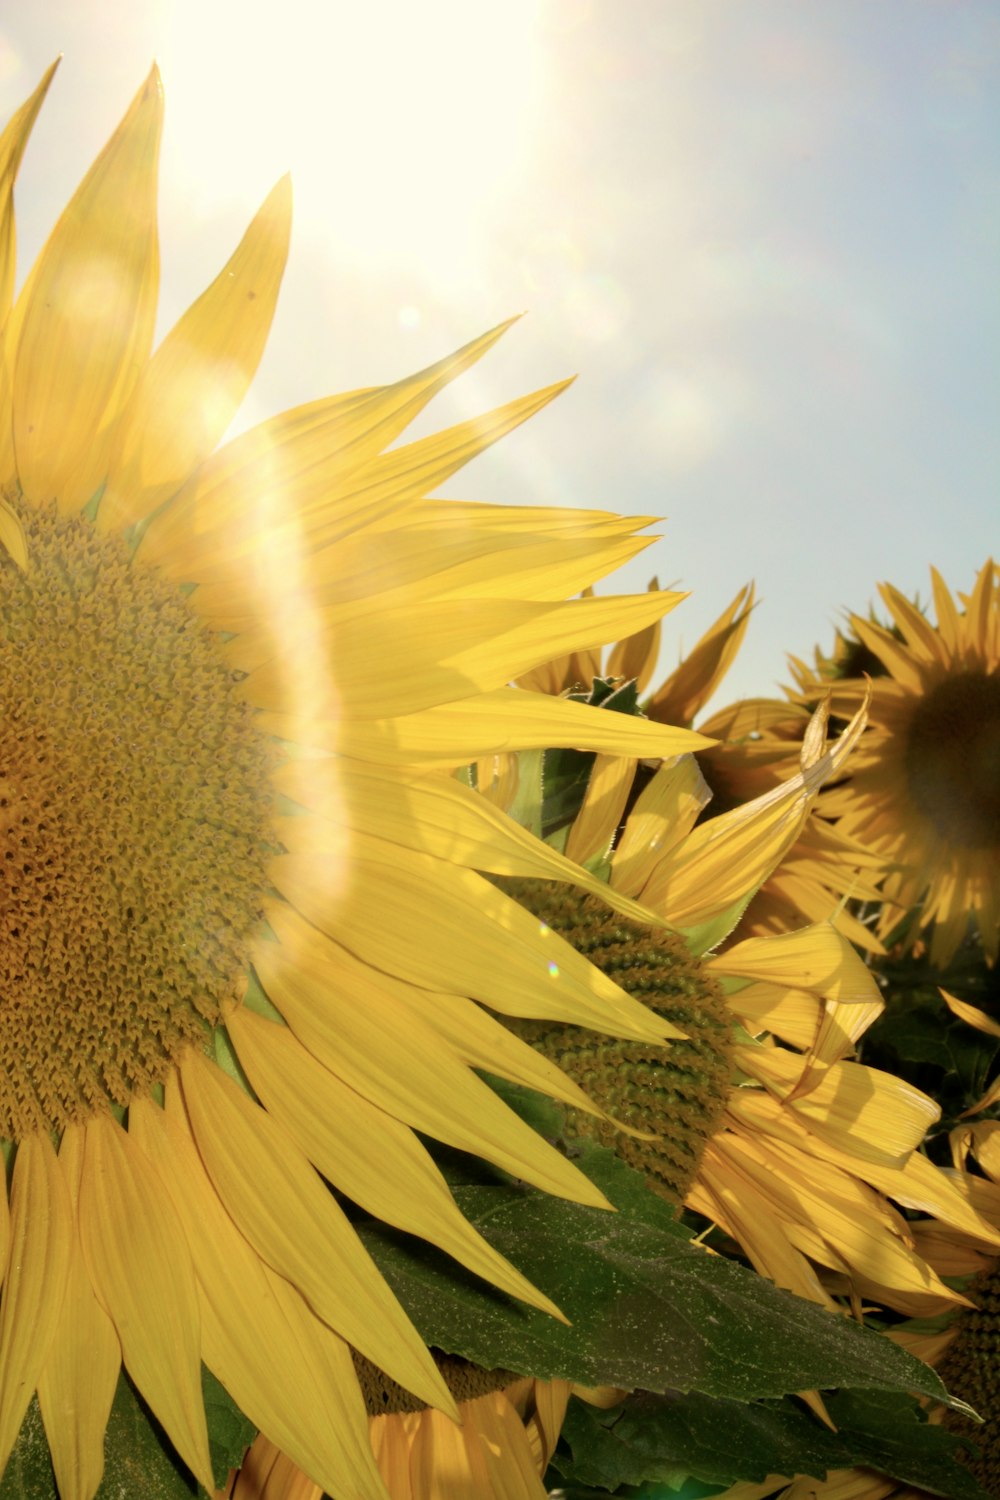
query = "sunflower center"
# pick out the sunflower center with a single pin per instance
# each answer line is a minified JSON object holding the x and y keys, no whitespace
{"x":953,"y":759}
{"x":971,"y":1369}
{"x":467,"y":1382}
{"x":677,"y":1092}
{"x":134,"y":819}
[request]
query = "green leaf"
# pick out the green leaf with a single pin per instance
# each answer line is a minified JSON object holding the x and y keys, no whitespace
{"x":230,"y":1433}
{"x":139,"y":1459}
{"x":646,"y":1307}
{"x":671,"y":1439}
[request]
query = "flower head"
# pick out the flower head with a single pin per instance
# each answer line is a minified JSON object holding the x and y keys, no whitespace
{"x":246,"y":943}
{"x":923,"y":791}
{"x":762,"y":1124}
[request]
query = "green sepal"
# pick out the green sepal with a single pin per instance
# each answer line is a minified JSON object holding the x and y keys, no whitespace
{"x":526,"y":807}
{"x":703,"y":937}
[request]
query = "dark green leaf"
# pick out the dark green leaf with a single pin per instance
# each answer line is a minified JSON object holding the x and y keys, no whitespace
{"x":669,"y":1439}
{"x":647,"y":1308}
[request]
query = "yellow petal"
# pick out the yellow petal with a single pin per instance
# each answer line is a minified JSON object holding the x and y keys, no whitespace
{"x":918,"y":631}
{"x":290,"y":1374}
{"x":947,"y":614}
{"x":140,"y":1267}
{"x":433,"y":814}
{"x":442,"y":927}
{"x":35,"y":1284}
{"x":12,"y":143}
{"x":895,"y":656}
{"x":663,"y":816}
{"x":724,"y":860}
{"x":358,"y":1023}
{"x":814,"y":958}
{"x":414,"y":657}
{"x":279,"y":1202}
{"x":295,"y":462}
{"x":190,"y":390}
{"x":85,"y":316}
{"x":725,"y":1194}
{"x":602,"y":809}
{"x":970,"y":1014}
{"x":77,"y":1384}
{"x":452,"y":734}
{"x":789,"y":1013}
{"x":877,"y":1116}
{"x":635,"y":657}
{"x":418,"y":562}
{"x":688,"y":689}
{"x":377,"y":1161}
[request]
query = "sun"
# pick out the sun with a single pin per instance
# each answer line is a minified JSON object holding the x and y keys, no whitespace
{"x":366,"y":101}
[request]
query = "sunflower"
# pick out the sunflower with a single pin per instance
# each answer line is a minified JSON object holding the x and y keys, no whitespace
{"x":961,"y":1346}
{"x":758,"y":1120}
{"x":924,"y":788}
{"x":509,"y":1428}
{"x":245,"y":942}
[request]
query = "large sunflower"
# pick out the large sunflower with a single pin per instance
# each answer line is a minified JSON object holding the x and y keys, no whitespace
{"x":924,"y":787}
{"x":241,"y":916}
{"x":770,"y":1131}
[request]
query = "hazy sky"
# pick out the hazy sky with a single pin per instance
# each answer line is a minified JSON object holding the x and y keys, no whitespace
{"x":765,"y":236}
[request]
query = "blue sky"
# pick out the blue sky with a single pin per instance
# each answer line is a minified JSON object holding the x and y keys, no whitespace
{"x":764,"y":236}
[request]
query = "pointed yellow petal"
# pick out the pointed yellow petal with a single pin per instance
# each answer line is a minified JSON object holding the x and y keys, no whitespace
{"x":297,"y":461}
{"x":358,"y":1023}
{"x":990,"y":1097}
{"x":478,"y":1039}
{"x":895,"y":656}
{"x":947,"y":614}
{"x":663,"y":817}
{"x":970,"y":1014}
{"x":724,"y":860}
{"x":77,"y":1384}
{"x":686,"y":691}
{"x":12,"y":143}
{"x":453,"y":734}
{"x":85,"y":316}
{"x":268,"y":1472}
{"x":35,"y":1284}
{"x":635,"y":657}
{"x":415,"y":562}
{"x":279,"y":1202}
{"x":433,"y":814}
{"x":414,"y":657}
{"x":923,"y":639}
{"x":446,"y":928}
{"x":290,"y":1374}
{"x":140,"y":1267}
{"x":375,"y":1160}
{"x":190,"y":390}
{"x":728,"y":1196}
{"x":602,"y":808}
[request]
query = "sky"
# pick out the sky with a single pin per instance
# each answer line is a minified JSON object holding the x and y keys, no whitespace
{"x":764,"y":237}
